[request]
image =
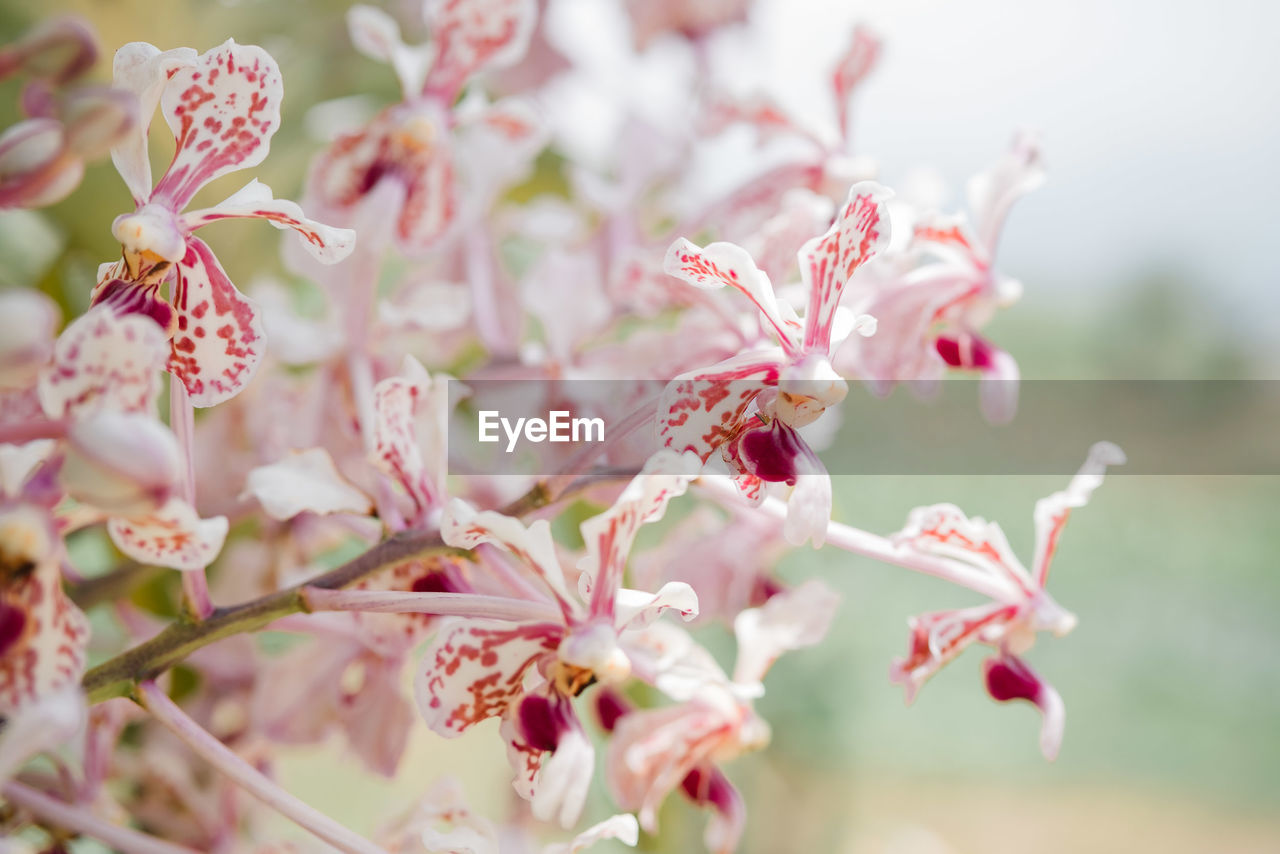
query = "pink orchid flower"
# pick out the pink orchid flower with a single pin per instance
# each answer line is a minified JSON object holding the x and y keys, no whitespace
{"x":527,"y":673}
{"x":693,"y":19}
{"x":43,"y":635}
{"x":411,"y":144}
{"x":1020,"y":606}
{"x":223,"y":108}
{"x":750,"y":406}
{"x":931,"y":312}
{"x":654,"y":751}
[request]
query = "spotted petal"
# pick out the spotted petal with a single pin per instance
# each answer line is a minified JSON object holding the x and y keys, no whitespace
{"x":219,"y":340}
{"x":223,"y":110}
{"x":142,"y":69}
{"x":104,"y":361}
{"x":944,"y":529}
{"x":609,"y":536}
{"x":174,"y":536}
{"x":855,"y":64}
{"x":411,"y":414}
{"x":464,"y":527}
{"x":326,"y":244}
{"x":861,"y":229}
{"x":718,"y":265}
{"x":939,"y":636}
{"x":702,"y":409}
{"x":474,"y":669}
{"x":1051,"y":512}
{"x":471,"y":35}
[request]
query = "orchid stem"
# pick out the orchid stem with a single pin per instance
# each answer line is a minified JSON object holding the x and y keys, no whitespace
{"x":864,"y":543}
{"x":51,"y":811}
{"x":440,"y":604}
{"x":249,"y":778}
{"x":182,"y":420}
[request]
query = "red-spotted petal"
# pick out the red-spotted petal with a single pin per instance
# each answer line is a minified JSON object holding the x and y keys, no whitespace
{"x":1051,"y":512}
{"x":42,"y":634}
{"x":223,"y":111}
{"x":142,"y":69}
{"x":174,"y":536}
{"x":410,"y":433}
{"x":701,"y":410}
{"x":944,"y":529}
{"x":861,"y":229}
{"x":464,"y":527}
{"x":473,"y":670}
{"x":939,"y":636}
{"x":718,"y":265}
{"x":325,"y":243}
{"x":219,"y":339}
{"x":105,"y":361}
{"x":471,"y":35}
{"x":608,"y":537}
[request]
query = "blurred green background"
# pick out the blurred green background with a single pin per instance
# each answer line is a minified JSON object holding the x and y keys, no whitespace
{"x":1171,"y":680}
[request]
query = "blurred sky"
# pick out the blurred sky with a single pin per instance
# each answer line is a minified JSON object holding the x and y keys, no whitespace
{"x":1159,"y":119}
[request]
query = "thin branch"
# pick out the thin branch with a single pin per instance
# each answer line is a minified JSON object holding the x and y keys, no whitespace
{"x":440,"y":604}
{"x":247,"y":777}
{"x":117,"y":677}
{"x":50,"y":811}
{"x":113,"y":585}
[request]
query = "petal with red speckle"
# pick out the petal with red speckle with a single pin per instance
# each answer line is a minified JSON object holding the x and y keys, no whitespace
{"x":1051,"y":512}
{"x":861,"y":229}
{"x":325,"y":243}
{"x":471,"y":35}
{"x":702,"y":409}
{"x":104,"y":361}
{"x":473,"y":670}
{"x":219,"y":339}
{"x":223,"y":110}
{"x":175,"y":536}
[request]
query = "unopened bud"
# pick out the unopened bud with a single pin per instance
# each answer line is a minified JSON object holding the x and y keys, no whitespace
{"x":124,"y":464}
{"x":27,"y":322}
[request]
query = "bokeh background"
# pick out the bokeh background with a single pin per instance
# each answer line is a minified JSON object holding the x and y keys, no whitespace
{"x":1149,"y":254}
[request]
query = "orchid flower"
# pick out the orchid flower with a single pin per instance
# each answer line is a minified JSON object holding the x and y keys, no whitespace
{"x":223,"y":108}
{"x":932,"y":313}
{"x":442,"y":822}
{"x":1020,"y":606}
{"x":528,"y":673}
{"x":43,"y":635}
{"x":42,"y":159}
{"x":693,"y":19}
{"x":410,"y":144}
{"x":789,"y":384}
{"x":654,"y":751}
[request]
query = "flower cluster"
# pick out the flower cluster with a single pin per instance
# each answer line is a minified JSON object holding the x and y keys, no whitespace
{"x":314,"y":496}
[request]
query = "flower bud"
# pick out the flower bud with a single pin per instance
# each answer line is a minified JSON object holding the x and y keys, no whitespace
{"x":57,"y":50}
{"x":124,"y":464}
{"x":27,"y":322}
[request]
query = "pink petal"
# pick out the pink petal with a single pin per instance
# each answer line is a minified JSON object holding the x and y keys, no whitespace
{"x":97,"y":119}
{"x":556,"y":785}
{"x":709,"y":787}
{"x":724,"y":264}
{"x":793,"y":619}
{"x":471,"y":35}
{"x":950,"y":238}
{"x":473,"y":670}
{"x":325,"y":243}
{"x":998,"y":395}
{"x":992,"y":193}
{"x":944,"y":529}
{"x":58,"y":49}
{"x":223,"y":111}
{"x":636,"y":609}
{"x":608,"y":537}
{"x":120,"y":463}
{"x":701,"y":410}
{"x":938,"y":637}
{"x":855,"y":64}
{"x":219,"y":341}
{"x":174,"y":536}
{"x":305,"y":482}
{"x":410,"y":417}
{"x":104,"y":361}
{"x":1051,"y":512}
{"x":28,"y":320}
{"x":35,"y":168}
{"x":376,"y":34}
{"x":142,"y":69}
{"x":42,"y":634}
{"x":464,"y":527}
{"x":48,"y":722}
{"x":623,"y":828}
{"x":861,"y":229}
